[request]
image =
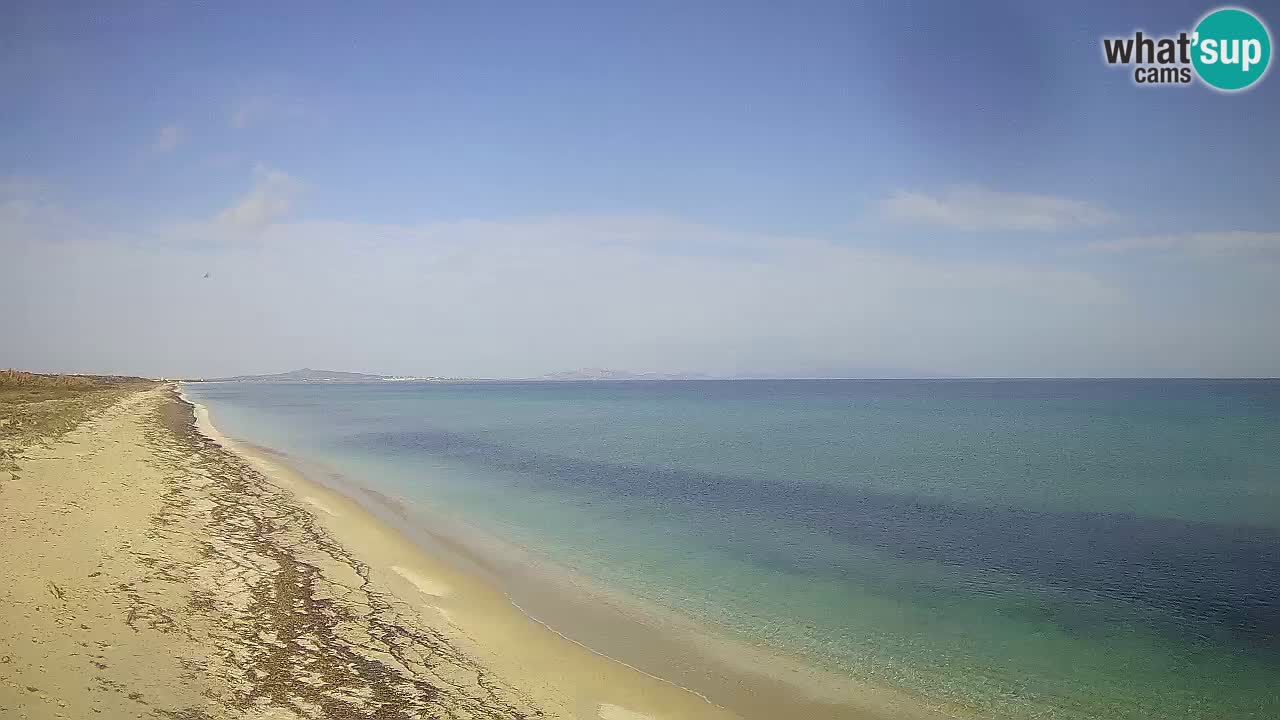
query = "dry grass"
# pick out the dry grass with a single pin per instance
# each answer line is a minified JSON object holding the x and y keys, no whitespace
{"x":40,"y":385}
{"x":36,"y":407}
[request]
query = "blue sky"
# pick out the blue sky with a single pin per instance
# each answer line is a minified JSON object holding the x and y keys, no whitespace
{"x":738,"y":188}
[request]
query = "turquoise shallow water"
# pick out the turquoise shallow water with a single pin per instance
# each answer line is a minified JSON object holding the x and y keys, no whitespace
{"x":1062,"y":549}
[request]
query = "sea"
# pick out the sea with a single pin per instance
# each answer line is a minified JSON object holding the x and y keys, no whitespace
{"x":998,"y":548}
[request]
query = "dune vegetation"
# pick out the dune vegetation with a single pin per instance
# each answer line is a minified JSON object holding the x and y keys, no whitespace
{"x":36,"y":407}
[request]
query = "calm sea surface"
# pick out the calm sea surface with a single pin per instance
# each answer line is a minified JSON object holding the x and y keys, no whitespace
{"x":1061,"y":549}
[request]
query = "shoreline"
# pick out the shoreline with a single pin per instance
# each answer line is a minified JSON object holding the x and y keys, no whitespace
{"x":476,"y":614}
{"x":149,"y":572}
{"x":727,"y":679}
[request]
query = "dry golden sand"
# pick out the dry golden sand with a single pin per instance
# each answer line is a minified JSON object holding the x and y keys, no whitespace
{"x":147,"y":571}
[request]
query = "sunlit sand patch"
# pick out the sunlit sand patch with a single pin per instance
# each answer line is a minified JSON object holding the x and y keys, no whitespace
{"x":607,"y":711}
{"x":319,"y":505}
{"x":425,"y":585}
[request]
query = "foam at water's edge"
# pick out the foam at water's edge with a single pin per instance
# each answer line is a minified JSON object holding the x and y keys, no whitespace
{"x":204,"y":423}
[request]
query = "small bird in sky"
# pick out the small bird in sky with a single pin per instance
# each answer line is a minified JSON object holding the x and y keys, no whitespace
{"x":206,"y":276}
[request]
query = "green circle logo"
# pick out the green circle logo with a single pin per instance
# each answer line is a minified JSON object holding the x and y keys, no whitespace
{"x":1231,"y":49}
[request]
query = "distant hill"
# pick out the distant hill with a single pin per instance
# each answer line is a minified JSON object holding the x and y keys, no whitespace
{"x":307,"y":375}
{"x":606,"y":374}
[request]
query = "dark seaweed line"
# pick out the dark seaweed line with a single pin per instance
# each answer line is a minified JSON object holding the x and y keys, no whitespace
{"x":303,"y":641}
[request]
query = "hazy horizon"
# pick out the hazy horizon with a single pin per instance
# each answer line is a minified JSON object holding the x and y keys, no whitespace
{"x":919,"y":190}
{"x":703,"y":376}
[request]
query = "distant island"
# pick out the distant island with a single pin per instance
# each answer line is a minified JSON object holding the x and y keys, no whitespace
{"x":307,"y":375}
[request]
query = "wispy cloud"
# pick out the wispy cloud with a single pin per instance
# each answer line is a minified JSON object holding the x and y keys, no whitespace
{"x":1229,"y":243}
{"x":975,"y":208}
{"x":269,"y":200}
{"x":607,"y":290}
{"x":29,"y":216}
{"x":569,"y":291}
{"x":168,"y":138}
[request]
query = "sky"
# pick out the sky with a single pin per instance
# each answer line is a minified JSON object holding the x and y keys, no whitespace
{"x":480,"y":189}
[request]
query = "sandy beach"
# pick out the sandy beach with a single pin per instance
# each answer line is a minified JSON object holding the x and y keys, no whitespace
{"x":149,"y":571}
